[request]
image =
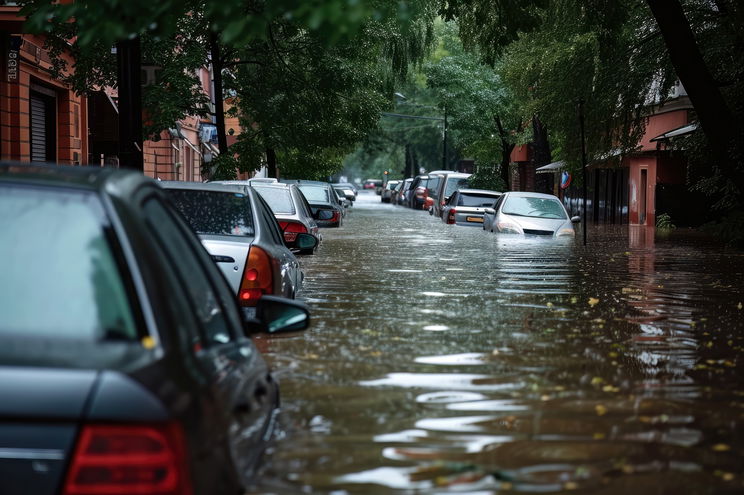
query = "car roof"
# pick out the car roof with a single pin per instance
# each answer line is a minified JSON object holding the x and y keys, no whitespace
{"x":528,"y":194}
{"x":204,"y":186}
{"x":246,"y":182}
{"x":272,"y":185}
{"x":118,"y":182}
{"x":480,"y":191}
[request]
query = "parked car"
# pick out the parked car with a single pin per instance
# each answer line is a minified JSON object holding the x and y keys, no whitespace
{"x":324,"y":202}
{"x":387,"y":191}
{"x":395,"y":192}
{"x":417,"y":196}
{"x":372,"y":184}
{"x":126,"y":365}
{"x":292,"y":211}
{"x":529,"y":213}
{"x":344,"y":201}
{"x":349,"y":185}
{"x":466,"y":206}
{"x":240,"y":231}
{"x":450,"y":182}
{"x":345,"y":191}
{"x":404,"y":192}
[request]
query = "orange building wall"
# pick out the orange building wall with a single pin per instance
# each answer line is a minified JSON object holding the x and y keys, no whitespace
{"x":659,"y":124}
{"x":71,"y":110}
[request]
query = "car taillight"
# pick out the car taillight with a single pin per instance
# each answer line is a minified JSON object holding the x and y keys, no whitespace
{"x":451,"y":216}
{"x":291,"y":229}
{"x":126,"y":459}
{"x":258,"y":277}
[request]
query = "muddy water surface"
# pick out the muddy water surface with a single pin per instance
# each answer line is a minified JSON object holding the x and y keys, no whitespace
{"x":444,"y":359}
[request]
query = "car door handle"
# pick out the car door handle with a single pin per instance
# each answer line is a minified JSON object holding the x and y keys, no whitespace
{"x":217,"y":258}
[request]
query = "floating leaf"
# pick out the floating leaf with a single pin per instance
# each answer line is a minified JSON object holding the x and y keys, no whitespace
{"x":721,"y":447}
{"x":600,"y":409}
{"x":593,"y":301}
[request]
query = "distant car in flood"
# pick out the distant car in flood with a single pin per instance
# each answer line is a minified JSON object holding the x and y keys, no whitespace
{"x":387,"y":190}
{"x":327,"y":207}
{"x":466,"y":206}
{"x":529,"y":213}
{"x":450,"y":182}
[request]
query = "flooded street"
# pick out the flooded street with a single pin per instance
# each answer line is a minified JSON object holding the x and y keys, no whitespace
{"x":446,"y":359}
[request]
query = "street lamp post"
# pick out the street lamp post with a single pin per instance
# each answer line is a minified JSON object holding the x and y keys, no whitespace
{"x":444,"y":141}
{"x":421,"y":117}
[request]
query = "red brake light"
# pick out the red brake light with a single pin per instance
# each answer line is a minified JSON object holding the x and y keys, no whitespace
{"x":125,"y":459}
{"x":291,"y":229}
{"x":451,"y":216}
{"x":258,"y":277}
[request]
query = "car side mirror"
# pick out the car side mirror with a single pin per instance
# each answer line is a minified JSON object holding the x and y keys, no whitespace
{"x":277,"y":315}
{"x":490,"y":211}
{"x":305,"y":241}
{"x":575,"y":219}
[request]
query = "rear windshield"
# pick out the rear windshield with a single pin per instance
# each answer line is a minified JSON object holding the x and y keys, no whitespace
{"x":278,"y":199}
{"x":316,"y":194}
{"x":214,"y":212}
{"x":478,"y":200}
{"x":453,"y":184}
{"x":533,"y":207}
{"x":59,"y":276}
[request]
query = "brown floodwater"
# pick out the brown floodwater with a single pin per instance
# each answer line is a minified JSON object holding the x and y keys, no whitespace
{"x":444,"y":359}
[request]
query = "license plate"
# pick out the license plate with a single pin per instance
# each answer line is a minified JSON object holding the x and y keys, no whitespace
{"x":474,"y":219}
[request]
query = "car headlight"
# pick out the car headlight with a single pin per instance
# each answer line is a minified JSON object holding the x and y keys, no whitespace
{"x":509,"y":228}
{"x":567,"y":231}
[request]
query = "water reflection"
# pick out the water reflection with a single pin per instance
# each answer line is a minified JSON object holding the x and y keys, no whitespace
{"x":446,"y":359}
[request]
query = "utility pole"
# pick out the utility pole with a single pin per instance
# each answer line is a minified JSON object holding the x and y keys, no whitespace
{"x":129,"y":67}
{"x":583,"y":166}
{"x":444,"y":141}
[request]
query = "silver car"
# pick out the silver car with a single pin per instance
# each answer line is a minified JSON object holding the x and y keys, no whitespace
{"x":239,"y":230}
{"x":466,"y":206}
{"x":529,"y":213}
{"x":450,"y":182}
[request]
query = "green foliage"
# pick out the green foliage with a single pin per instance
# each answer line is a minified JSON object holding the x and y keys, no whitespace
{"x":177,"y":92}
{"x":311,"y":103}
{"x":606,"y":54}
{"x":487,"y":178}
{"x":474,"y":97}
{"x":237,"y":21}
{"x":664,"y":222}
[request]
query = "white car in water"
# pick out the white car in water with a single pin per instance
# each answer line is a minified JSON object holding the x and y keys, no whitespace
{"x":529,"y":213}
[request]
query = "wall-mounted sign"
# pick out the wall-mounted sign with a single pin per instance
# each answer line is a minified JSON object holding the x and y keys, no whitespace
{"x":565,"y":180}
{"x":13,"y":59}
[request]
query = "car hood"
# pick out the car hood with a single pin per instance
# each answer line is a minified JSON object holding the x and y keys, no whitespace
{"x":532,"y":223}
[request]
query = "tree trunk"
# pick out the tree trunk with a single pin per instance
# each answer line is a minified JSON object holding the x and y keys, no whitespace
{"x":715,"y":116}
{"x":506,"y":149}
{"x":271,"y":163}
{"x":541,"y":154}
{"x":219,"y":102}
{"x":129,"y":73}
